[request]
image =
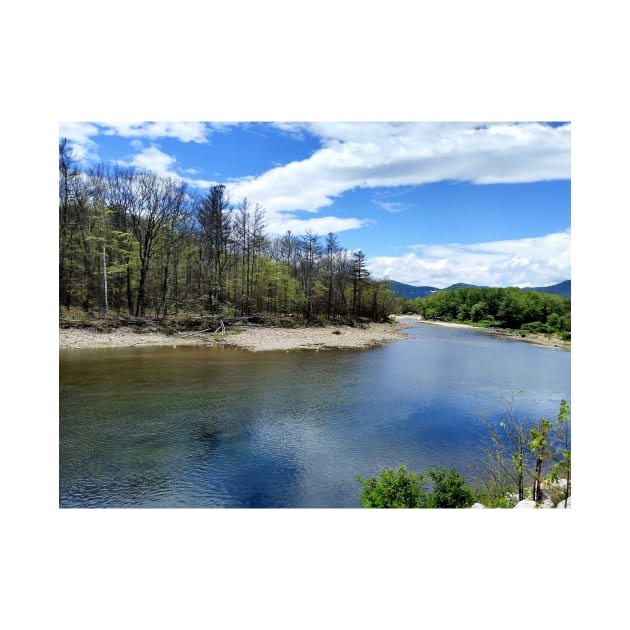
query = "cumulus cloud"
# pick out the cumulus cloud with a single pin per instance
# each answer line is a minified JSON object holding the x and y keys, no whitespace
{"x":182,"y":131}
{"x":155,"y":160}
{"x":80,"y":135}
{"x":524,"y":263}
{"x":358,"y":155}
{"x":370,"y":155}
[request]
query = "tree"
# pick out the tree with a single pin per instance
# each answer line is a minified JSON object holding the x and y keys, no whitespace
{"x":309,"y":255}
{"x":332,"y":247}
{"x":156,"y":199}
{"x":505,"y":452}
{"x":215,"y":221}
{"x":359,"y":275}
{"x":541,"y":449}
{"x":130,"y":238}
{"x":519,"y":452}
{"x":562,"y":467}
{"x":69,"y":183}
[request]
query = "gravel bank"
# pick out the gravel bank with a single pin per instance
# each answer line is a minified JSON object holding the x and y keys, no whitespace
{"x":252,"y":338}
{"x":514,"y":335}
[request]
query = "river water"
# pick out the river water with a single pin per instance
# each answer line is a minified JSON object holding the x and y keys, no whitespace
{"x":222,"y":427}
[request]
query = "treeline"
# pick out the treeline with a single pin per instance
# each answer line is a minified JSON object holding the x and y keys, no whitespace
{"x":504,"y":308}
{"x":135,"y":243}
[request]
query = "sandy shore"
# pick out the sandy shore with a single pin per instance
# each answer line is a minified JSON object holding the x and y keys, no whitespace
{"x":251,"y":338}
{"x":260,"y":338}
{"x":535,"y":338}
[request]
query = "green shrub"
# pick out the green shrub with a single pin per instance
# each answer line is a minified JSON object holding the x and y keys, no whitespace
{"x":440,"y":488}
{"x":535,"y":327}
{"x":398,"y":489}
{"x":449,"y":490}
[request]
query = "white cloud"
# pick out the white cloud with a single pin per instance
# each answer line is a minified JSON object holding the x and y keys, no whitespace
{"x":155,"y":160}
{"x":182,"y":131}
{"x":392,"y":207}
{"x":80,"y":135}
{"x":152,"y":159}
{"x":279,"y":224}
{"x":85,"y":148}
{"x":526,"y":262}
{"x":369,"y":155}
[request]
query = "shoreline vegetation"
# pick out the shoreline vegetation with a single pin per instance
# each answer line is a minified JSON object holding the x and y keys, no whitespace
{"x":539,"y":339}
{"x":261,"y":337}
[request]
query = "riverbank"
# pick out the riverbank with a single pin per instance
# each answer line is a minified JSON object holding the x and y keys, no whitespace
{"x":253,"y":338}
{"x":550,"y":341}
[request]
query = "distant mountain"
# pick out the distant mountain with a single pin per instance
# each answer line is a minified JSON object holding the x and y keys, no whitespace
{"x":463,"y":285}
{"x":563,"y":289}
{"x":409,"y":291}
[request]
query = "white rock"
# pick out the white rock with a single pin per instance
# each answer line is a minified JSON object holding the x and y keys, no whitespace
{"x":560,"y":505}
{"x":477,"y":505}
{"x":547,"y":504}
{"x":525,"y":504}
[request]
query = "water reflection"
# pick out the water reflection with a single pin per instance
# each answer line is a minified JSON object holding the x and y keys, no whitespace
{"x":199,"y":427}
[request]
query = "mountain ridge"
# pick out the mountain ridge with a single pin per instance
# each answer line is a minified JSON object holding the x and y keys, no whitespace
{"x":563,"y":289}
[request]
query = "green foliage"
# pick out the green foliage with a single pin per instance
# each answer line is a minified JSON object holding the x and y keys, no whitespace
{"x":449,"y":490}
{"x":398,"y":489}
{"x":436,"y":488}
{"x":479,"y":311}
{"x":519,"y":452}
{"x":499,"y":307}
{"x":494,"y":495}
{"x":561,"y":468}
{"x":540,"y":446}
{"x":535,"y":327}
{"x":132,"y":242}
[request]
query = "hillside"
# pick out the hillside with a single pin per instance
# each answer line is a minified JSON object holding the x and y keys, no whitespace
{"x":409,"y":291}
{"x":563,"y":289}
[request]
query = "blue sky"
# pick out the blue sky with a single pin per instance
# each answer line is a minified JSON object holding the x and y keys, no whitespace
{"x":428,"y":203}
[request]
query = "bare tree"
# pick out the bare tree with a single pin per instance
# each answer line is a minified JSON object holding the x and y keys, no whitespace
{"x":214,"y":218}
{"x":309,"y":256}
{"x":69,"y":185}
{"x":155,"y":200}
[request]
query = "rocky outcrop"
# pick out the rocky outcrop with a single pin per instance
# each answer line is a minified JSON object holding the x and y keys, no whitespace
{"x":553,"y":498}
{"x":562,"y":506}
{"x":526,"y":504}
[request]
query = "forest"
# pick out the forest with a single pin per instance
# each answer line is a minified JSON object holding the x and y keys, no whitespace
{"x":133,"y":243}
{"x":530,"y":311}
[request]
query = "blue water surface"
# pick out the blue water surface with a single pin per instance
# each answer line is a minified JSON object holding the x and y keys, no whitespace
{"x":221,"y":427}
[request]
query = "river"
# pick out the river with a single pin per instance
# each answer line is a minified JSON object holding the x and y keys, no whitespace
{"x":205,"y":427}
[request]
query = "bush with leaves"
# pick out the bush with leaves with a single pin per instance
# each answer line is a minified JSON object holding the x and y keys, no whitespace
{"x":436,"y":488}
{"x":449,"y":490}
{"x":398,"y":489}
